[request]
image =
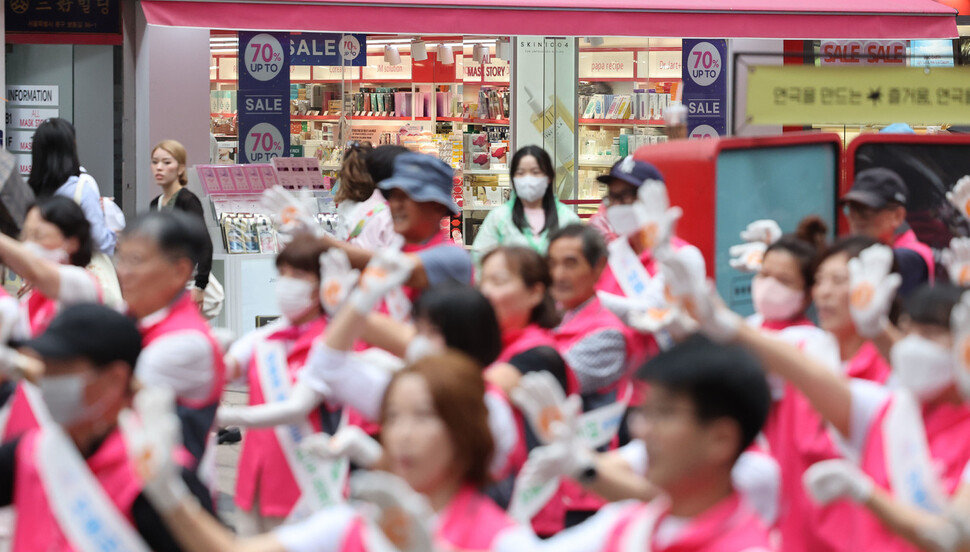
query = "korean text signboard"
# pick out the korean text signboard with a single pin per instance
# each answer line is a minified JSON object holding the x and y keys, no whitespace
{"x":705,"y":87}
{"x":63,"y":16}
{"x":264,"y":96}
{"x":333,"y":49}
{"x":27,"y":107}
{"x":804,"y":95}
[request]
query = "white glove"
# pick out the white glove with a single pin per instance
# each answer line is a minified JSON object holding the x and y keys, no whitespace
{"x":386,"y":270}
{"x":748,"y":257}
{"x":152,"y":433}
{"x":643,"y":315}
{"x":337,"y":279}
{"x":960,"y":328}
{"x":872,"y":289}
{"x":350,"y":442}
{"x":402,"y":514}
{"x":291,"y":213}
{"x":16,"y":365}
{"x":959,"y":196}
{"x":658,"y":219}
{"x":541,"y":399}
{"x":765,"y":231}
{"x":698,"y":298}
{"x":956,"y":259}
{"x":829,"y":480}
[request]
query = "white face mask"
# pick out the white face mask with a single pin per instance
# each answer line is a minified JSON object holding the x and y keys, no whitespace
{"x":294,"y":297}
{"x":623,"y":219}
{"x":58,"y":256}
{"x":64,"y":397}
{"x":420,"y":347}
{"x":774,"y":300}
{"x":923,"y":367}
{"x":530,"y":188}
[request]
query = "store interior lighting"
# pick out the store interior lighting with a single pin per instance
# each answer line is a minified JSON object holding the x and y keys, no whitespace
{"x":480,"y":53}
{"x":503,"y":49}
{"x":419,"y":50}
{"x":446,"y":55}
{"x":391,"y":55}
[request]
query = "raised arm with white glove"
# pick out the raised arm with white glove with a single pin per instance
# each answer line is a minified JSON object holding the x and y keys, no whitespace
{"x":350,"y":442}
{"x":689,"y":288}
{"x":337,"y":279}
{"x":956,"y":259}
{"x":403,"y":515}
{"x":831,"y":480}
{"x":386,"y":270}
{"x":872,"y":288}
{"x":959,"y":196}
{"x":291,"y":212}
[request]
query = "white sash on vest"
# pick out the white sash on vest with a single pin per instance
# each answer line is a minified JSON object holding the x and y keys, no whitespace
{"x":85,"y":514}
{"x":321,"y":482}
{"x":398,"y":304}
{"x":635,"y":282}
{"x":638,"y":536}
{"x":908,"y":461}
{"x":599,"y":426}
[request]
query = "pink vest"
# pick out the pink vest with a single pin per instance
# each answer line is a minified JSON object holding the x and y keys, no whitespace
{"x":21,"y":417}
{"x":868,"y":364}
{"x":36,"y":527}
{"x":798,"y":437}
{"x":948,"y":436}
{"x":532,"y":336}
{"x":471,"y":523}
{"x":196,"y":416}
{"x":907,"y":240}
{"x":41,"y":310}
{"x":730,"y":526}
{"x":593,"y":317}
{"x":263,"y":469}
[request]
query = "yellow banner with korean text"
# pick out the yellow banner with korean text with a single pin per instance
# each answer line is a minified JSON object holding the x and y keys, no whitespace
{"x":805,"y":95}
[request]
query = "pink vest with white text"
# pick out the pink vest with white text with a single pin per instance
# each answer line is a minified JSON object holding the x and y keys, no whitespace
{"x":470,"y":523}
{"x":196,"y":416}
{"x":907,"y":240}
{"x":36,"y":526}
{"x":948,"y":436}
{"x":263,"y":469}
{"x":729,"y":526}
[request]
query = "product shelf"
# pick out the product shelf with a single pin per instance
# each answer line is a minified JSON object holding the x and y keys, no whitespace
{"x":222,"y":115}
{"x":486,"y":171}
{"x":473,"y":121}
{"x":622,"y":122}
{"x":353,"y":118}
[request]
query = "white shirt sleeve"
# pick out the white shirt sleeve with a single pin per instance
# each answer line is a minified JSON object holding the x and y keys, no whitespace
{"x":343,"y":377}
{"x":868,"y":398}
{"x":589,"y":536}
{"x":325,"y":531}
{"x":757,"y":476}
{"x":505,"y":431}
{"x":181,"y":361}
{"x":242,"y":349}
{"x":77,"y":286}
{"x":519,"y":538}
{"x":635,"y":454}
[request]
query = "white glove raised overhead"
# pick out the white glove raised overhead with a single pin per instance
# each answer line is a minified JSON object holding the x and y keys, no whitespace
{"x":291,"y":213}
{"x":830,"y":480}
{"x":349,"y":442}
{"x":541,"y":399}
{"x":337,"y":279}
{"x":403,"y":515}
{"x":960,"y":328}
{"x":872,"y":288}
{"x":657,"y":218}
{"x":689,"y":288}
{"x":15,"y":365}
{"x":956,"y":259}
{"x":764,"y":231}
{"x":152,"y":433}
{"x":959,"y":196}
{"x":386,"y":270}
{"x":748,"y":257}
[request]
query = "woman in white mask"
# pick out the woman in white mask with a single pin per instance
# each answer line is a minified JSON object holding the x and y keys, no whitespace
{"x":532,"y":213}
{"x":266,"y":489}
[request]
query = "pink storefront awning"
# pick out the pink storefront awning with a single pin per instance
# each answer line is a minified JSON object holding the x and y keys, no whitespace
{"x":791,"y":19}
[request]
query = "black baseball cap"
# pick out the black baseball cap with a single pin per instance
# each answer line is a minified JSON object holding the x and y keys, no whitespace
{"x":631,"y":171}
{"x":91,"y":331}
{"x":877,"y":188}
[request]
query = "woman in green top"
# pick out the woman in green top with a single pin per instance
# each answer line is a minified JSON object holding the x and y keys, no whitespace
{"x":532,"y":213}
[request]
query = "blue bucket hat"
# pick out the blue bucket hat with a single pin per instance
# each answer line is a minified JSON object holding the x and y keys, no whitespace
{"x":423,"y":178}
{"x":631,"y":171}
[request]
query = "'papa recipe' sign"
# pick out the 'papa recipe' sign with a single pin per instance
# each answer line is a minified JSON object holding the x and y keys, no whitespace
{"x":863,"y":52}
{"x":805,"y":95}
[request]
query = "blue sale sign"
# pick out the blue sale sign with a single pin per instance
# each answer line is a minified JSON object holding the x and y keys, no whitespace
{"x":705,"y":87}
{"x":264,"y":96}
{"x":328,"y":49}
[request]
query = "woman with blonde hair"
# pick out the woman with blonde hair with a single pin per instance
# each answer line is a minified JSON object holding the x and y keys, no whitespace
{"x":168,"y":170}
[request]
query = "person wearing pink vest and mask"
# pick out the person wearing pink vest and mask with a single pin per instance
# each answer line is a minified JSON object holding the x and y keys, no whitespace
{"x":51,"y":259}
{"x":704,"y":406}
{"x":436,"y":439}
{"x":266,"y":487}
{"x":876,"y":207}
{"x":913,"y":441}
{"x":156,"y":256}
{"x":70,"y":479}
